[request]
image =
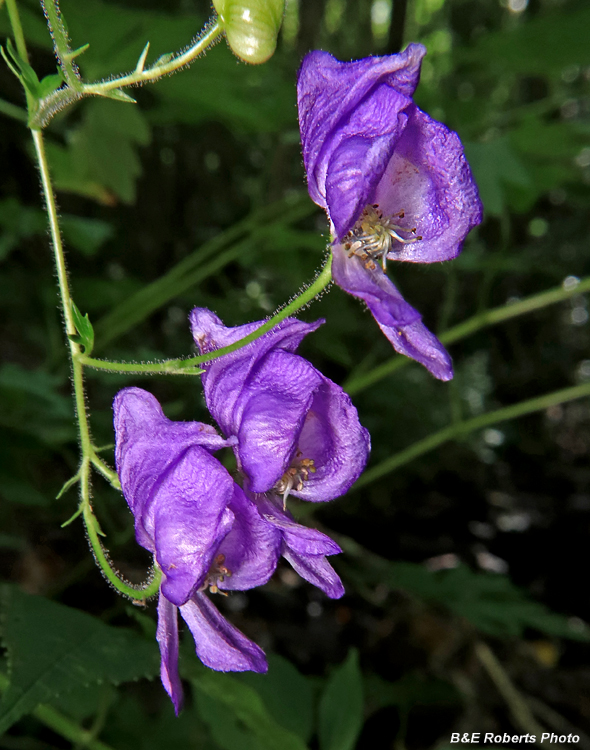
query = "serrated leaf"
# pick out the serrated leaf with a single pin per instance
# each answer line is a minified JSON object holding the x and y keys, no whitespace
{"x":53,"y":649}
{"x":84,"y":328}
{"x":491,"y":602}
{"x":243,"y":704}
{"x":341,"y":706}
{"x":101,"y":160}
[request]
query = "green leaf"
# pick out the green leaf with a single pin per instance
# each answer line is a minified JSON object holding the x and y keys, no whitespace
{"x":101,"y":160}
{"x":84,"y":328}
{"x":531,"y":47}
{"x":120,"y":96}
{"x":491,"y":602}
{"x":341,"y":706}
{"x":286,"y":693}
{"x":240,"y":703}
{"x":49,"y":84}
{"x":25,"y":73}
{"x":53,"y":649}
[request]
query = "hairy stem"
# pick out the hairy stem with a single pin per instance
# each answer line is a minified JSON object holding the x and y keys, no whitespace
{"x":140,"y":75}
{"x":476,"y":323}
{"x":86,"y":449}
{"x":460,"y":429}
{"x":188,"y":366}
{"x":61,"y":43}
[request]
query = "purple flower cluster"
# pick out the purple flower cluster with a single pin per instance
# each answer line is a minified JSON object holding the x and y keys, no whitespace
{"x":394,"y":183}
{"x":396,"y":186}
{"x":293,"y":431}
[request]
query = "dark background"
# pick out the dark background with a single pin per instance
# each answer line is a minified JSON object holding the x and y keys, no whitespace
{"x":144,"y":188}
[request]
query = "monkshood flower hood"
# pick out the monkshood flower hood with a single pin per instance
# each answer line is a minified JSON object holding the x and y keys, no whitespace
{"x":297,"y":431}
{"x":201,"y":528}
{"x":205,"y":532}
{"x":394,"y":183}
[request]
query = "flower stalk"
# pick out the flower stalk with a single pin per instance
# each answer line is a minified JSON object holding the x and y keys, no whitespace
{"x":461,"y":429}
{"x":191,"y":365}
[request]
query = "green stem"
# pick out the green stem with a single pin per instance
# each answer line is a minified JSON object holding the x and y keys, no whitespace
{"x":464,"y":428}
{"x":61,"y":44}
{"x":521,"y":713}
{"x":141,"y":75}
{"x":109,"y":474}
{"x":12,"y":110}
{"x":476,"y":323}
{"x":187,"y":366}
{"x":61,"y":724}
{"x":135,"y":593}
{"x":17,"y":29}
{"x":87,"y":451}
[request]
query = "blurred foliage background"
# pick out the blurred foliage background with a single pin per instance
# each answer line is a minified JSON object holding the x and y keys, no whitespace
{"x":465,"y":568}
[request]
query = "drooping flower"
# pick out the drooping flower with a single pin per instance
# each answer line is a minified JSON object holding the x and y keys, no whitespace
{"x":297,"y":431}
{"x":205,"y":532}
{"x":201,"y":528}
{"x":394,"y":183}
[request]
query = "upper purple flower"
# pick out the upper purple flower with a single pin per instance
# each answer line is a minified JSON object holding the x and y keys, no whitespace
{"x":297,"y":431}
{"x":205,"y":533}
{"x":394,"y":182}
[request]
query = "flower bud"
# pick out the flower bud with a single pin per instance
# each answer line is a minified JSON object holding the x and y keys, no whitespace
{"x":251,"y":26}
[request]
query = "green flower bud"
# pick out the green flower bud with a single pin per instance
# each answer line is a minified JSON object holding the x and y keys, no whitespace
{"x":251,"y":26}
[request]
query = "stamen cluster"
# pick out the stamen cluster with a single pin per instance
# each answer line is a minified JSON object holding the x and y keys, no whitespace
{"x":373,"y":236}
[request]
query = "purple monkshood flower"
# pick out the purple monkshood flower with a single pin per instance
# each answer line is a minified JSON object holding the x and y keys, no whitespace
{"x":394,"y":183}
{"x":297,"y":431}
{"x":205,"y":532}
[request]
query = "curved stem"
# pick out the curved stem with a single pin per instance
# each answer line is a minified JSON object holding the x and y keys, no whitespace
{"x":86,"y":448}
{"x":476,"y":323}
{"x":139,"y":76}
{"x":188,"y":366}
{"x":461,"y":429}
{"x":135,"y":593}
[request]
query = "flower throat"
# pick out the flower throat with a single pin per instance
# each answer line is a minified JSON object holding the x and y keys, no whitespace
{"x":373,"y":236}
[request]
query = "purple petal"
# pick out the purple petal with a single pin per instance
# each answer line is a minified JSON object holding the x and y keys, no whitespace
{"x":219,"y":644}
{"x":276,"y":401}
{"x":428,"y":178}
{"x":147,"y":445}
{"x":331,"y":94}
{"x":301,"y":539}
{"x":398,"y":320}
{"x":317,"y":570}
{"x":167,"y":637}
{"x":188,"y":519}
{"x":333,"y":437}
{"x":251,"y":549}
{"x":225,"y":377}
{"x":305,"y":549}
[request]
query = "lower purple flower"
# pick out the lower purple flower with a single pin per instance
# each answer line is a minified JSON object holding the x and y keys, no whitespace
{"x":205,"y":532}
